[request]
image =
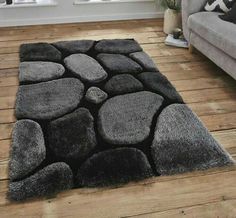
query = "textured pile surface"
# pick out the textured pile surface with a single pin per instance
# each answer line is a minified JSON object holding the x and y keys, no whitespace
{"x":99,"y":113}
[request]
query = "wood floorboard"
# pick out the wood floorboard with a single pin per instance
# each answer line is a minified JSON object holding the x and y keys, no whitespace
{"x":219,"y":208}
{"x":208,"y":91}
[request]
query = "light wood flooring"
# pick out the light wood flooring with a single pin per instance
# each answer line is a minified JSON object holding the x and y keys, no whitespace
{"x":209,"y":91}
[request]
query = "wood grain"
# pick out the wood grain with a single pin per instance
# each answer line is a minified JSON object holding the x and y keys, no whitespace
{"x":221,"y":208}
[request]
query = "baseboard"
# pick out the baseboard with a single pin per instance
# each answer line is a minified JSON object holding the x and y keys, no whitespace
{"x":78,"y":19}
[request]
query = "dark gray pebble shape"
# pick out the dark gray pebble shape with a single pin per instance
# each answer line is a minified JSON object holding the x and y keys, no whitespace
{"x":113,"y":167}
{"x":72,"y":136}
{"x":39,"y":52}
{"x":158,"y":83}
{"x":122,"y":84}
{"x":118,"y":64}
{"x":117,"y":46}
{"x":46,"y":182}
{"x":74,"y":46}
{"x":145,"y":61}
{"x":27,"y":149}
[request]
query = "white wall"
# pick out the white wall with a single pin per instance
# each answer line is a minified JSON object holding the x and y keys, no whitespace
{"x":66,"y":12}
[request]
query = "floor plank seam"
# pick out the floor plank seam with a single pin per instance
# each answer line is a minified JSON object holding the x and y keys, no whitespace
{"x":194,"y":205}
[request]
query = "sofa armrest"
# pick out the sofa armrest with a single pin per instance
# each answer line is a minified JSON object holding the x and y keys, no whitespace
{"x":190,"y":7}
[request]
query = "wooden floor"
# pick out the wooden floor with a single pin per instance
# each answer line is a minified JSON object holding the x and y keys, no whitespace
{"x":206,"y":89}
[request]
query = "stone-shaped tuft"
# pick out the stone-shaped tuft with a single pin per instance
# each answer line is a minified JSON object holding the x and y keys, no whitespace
{"x":74,"y":46}
{"x":145,"y":61}
{"x":39,"y":52}
{"x":117,"y":46}
{"x":95,"y":95}
{"x":122,"y":84}
{"x":116,"y":63}
{"x":27,"y":150}
{"x":114,"y":167}
{"x":183,"y":144}
{"x":48,"y":100}
{"x":39,"y":71}
{"x":72,"y":136}
{"x":46,"y":182}
{"x":158,"y":83}
{"x":86,"y":68}
{"x":126,"y":119}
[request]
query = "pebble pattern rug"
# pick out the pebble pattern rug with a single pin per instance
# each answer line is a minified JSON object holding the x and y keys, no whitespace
{"x":99,"y":113}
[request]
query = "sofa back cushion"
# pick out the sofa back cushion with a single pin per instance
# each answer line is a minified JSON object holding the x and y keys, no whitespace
{"x":230,"y":16}
{"x":219,"y":5}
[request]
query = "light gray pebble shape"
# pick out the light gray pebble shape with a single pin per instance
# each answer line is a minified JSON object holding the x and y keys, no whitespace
{"x":126,"y":119}
{"x":95,"y":95}
{"x":39,"y":71}
{"x":85,"y":68}
{"x":144,"y":60}
{"x":48,"y":100}
{"x":182,"y":143}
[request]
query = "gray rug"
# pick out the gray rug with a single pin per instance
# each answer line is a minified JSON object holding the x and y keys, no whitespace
{"x":99,"y":113}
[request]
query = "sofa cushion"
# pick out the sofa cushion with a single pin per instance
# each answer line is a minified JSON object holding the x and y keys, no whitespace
{"x":214,"y":30}
{"x":230,"y":16}
{"x":219,"y":5}
{"x":219,"y":57}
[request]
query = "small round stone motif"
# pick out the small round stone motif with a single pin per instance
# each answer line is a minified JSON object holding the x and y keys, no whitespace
{"x":95,"y":95}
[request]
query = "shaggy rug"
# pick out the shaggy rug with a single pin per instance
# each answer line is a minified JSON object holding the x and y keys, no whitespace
{"x":99,"y":113}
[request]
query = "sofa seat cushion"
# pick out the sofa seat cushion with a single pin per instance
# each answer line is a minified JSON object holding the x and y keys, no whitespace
{"x":219,"y":33}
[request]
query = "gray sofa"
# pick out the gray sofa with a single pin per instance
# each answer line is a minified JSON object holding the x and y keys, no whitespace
{"x":210,"y":35}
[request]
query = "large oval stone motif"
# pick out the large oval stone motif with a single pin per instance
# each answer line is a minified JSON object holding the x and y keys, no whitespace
{"x":85,"y":68}
{"x":39,"y":71}
{"x":48,"y":100}
{"x":126,"y":119}
{"x":27,"y":150}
